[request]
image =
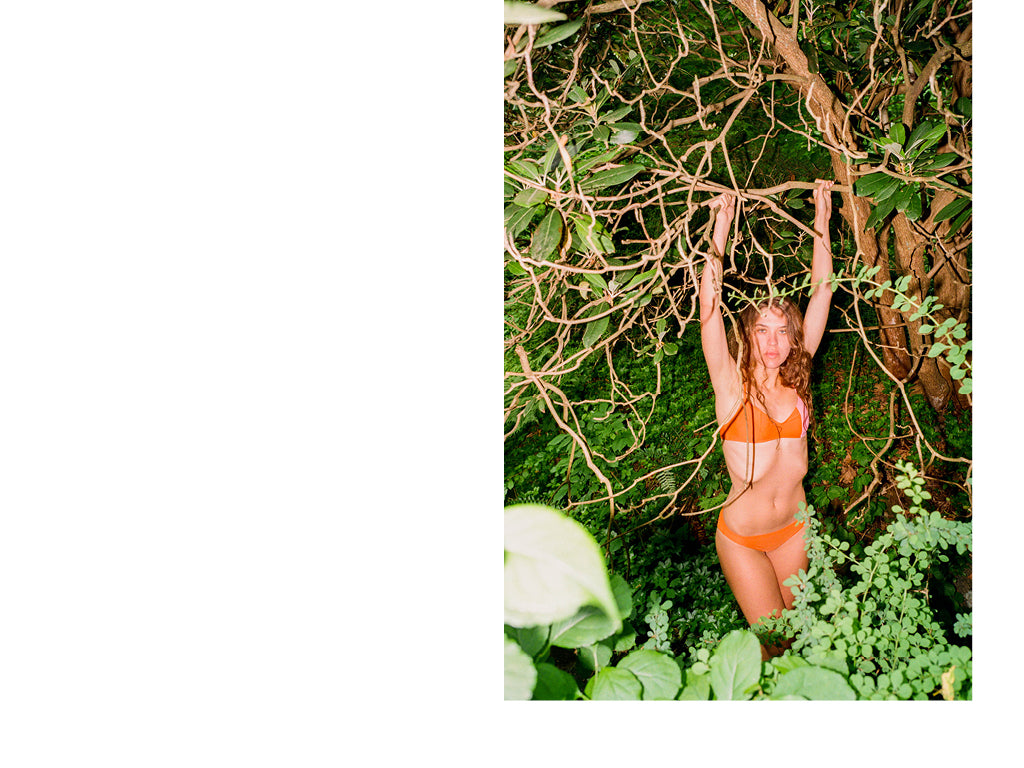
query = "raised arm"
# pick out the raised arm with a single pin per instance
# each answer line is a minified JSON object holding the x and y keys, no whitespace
{"x":816,"y":315}
{"x":714,"y":342}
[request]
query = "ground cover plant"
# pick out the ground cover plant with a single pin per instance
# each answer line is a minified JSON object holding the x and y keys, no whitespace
{"x":869,"y":633}
{"x":622,"y":119}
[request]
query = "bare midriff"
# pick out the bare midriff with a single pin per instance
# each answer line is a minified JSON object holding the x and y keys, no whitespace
{"x":774,"y":471}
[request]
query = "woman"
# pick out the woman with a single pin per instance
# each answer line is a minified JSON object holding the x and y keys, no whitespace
{"x":762,"y":405}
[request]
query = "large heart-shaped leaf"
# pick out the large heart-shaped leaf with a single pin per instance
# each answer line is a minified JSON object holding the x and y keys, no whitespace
{"x":553,"y":567}
{"x":735,"y":665}
{"x":520,"y":674}
{"x":659,"y":674}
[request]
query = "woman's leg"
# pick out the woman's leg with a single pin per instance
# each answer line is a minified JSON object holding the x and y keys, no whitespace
{"x":786,"y":561}
{"x":756,"y":578}
{"x":751,"y":577}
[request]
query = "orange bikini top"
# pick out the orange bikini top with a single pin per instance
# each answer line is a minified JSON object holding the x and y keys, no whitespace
{"x":759,"y":427}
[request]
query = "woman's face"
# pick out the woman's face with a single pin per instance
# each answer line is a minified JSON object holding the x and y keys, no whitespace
{"x":771,"y":337}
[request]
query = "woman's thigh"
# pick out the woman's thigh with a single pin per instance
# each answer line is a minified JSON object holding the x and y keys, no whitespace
{"x":786,"y":561}
{"x":751,"y":577}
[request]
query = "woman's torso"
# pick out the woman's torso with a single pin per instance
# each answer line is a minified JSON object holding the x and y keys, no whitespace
{"x":767,"y":476}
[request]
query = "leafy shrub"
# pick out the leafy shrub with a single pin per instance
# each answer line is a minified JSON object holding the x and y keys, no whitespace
{"x":879,"y":630}
{"x":558,"y":595}
{"x":866,"y":633}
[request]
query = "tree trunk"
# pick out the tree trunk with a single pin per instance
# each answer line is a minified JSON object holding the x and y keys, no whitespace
{"x":903,"y":349}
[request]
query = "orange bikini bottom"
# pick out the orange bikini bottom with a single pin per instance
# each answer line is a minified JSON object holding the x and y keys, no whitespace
{"x":764,"y":542}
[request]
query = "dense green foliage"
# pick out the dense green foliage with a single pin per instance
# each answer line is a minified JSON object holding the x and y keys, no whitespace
{"x":619,"y":127}
{"x":863,"y":632}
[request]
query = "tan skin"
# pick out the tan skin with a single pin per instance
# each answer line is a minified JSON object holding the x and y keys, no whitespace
{"x":767,"y":478}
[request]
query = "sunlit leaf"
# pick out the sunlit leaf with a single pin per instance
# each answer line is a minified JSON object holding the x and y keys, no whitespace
{"x":553,"y":567}
{"x":528,"y":13}
{"x":517,"y":219}
{"x":659,"y":674}
{"x":610,"y":177}
{"x":814,"y":683}
{"x":614,"y":684}
{"x":735,"y":665}
{"x":531,"y":196}
{"x":520,"y":674}
{"x":559,"y":33}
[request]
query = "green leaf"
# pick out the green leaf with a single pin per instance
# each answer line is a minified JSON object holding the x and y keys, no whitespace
{"x":810,"y":51}
{"x":890,"y":191}
{"x":917,"y":135}
{"x":591,"y":235}
{"x":624,"y":640}
{"x":595,"y":656}
{"x":526,"y":168}
{"x":548,"y":235}
{"x":617,"y":114}
{"x":596,"y":281}
{"x":736,"y":665}
{"x":814,"y":683}
{"x":933,"y":136}
{"x":588,"y":626}
{"x":611,"y":177}
{"x":697,"y":688}
{"x":625,"y":132}
{"x":517,"y":219}
{"x":614,"y":684}
{"x":659,"y":674}
{"x":559,"y":33}
{"x":594,"y":330}
{"x":528,"y":13}
{"x":553,"y":566}
{"x":532,"y":640}
{"x":585,"y":164}
{"x":515,"y":268}
{"x":879,"y":212}
{"x":956,"y":223}
{"x":940,"y":161}
{"x":963,"y":106}
{"x":623,"y":595}
{"x":549,"y":156}
{"x":913,"y":211}
{"x":952,"y":209}
{"x":531,"y":196}
{"x":924,"y":136}
{"x":641,"y":278}
{"x":553,"y":684}
{"x":902,"y":198}
{"x":520,"y":674}
{"x":877,"y":185}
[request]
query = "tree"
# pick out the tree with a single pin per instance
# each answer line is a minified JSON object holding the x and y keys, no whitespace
{"x":623,"y":118}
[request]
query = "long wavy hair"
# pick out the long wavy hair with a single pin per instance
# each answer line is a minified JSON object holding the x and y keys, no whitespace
{"x":795,"y":371}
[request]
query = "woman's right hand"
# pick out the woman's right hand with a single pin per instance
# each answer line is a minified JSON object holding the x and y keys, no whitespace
{"x":726,"y":204}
